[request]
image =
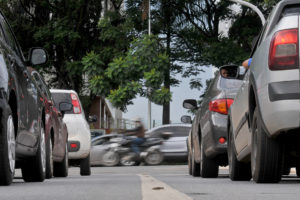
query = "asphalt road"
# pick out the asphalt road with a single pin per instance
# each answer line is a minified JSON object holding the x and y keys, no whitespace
{"x":148,"y":183}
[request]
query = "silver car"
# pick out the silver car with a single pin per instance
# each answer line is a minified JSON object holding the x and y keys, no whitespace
{"x":101,"y":153}
{"x":174,"y":149}
{"x":264,"y":120}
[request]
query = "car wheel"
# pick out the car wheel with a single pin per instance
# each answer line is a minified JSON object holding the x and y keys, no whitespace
{"x":190,"y":163}
{"x":61,"y":168}
{"x":34,"y":169}
{"x":238,"y":171}
{"x":286,"y":171}
{"x":110,"y":158}
{"x":154,"y":158}
{"x":49,"y":158}
{"x":7,"y":147}
{"x":298,"y":171}
{"x":209,"y":167}
{"x":195,"y":166}
{"x":85,"y":166}
{"x":266,"y":154}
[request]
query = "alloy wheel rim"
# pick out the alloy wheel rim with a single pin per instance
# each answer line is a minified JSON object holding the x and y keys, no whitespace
{"x":153,"y":158}
{"x":110,"y":158}
{"x":11,"y":143}
{"x":43,"y":150}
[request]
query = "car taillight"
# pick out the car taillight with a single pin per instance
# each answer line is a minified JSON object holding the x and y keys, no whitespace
{"x":284,"y":50}
{"x":76,"y":104}
{"x":220,"y":105}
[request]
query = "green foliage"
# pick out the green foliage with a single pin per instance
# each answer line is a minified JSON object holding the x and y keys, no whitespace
{"x":139,"y":71}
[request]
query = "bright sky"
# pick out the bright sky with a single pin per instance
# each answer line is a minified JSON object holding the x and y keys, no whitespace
{"x":140,"y":106}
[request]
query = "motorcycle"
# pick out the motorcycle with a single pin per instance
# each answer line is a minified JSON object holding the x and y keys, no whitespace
{"x":150,"y":150}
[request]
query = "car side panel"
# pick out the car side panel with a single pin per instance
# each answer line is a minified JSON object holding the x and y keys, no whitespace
{"x":239,"y":110}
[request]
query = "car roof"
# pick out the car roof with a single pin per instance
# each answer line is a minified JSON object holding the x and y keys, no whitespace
{"x":169,"y":125}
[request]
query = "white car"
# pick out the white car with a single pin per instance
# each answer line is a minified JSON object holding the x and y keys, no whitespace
{"x":79,"y":139}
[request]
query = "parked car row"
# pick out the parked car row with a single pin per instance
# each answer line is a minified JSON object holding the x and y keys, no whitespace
{"x":254,"y":124}
{"x":38,"y":133}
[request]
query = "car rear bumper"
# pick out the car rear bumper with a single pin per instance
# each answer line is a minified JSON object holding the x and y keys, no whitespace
{"x":281,"y":111}
{"x":216,"y":130}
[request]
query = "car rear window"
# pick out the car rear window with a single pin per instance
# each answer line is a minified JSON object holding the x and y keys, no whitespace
{"x":62,"y":97}
{"x":230,"y":83}
{"x":291,"y":10}
{"x":178,"y":131}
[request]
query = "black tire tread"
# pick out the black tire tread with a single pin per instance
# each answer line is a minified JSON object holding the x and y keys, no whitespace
{"x":269,"y":155}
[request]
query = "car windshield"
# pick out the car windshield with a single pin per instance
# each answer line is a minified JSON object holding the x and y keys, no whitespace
{"x":230,"y":83}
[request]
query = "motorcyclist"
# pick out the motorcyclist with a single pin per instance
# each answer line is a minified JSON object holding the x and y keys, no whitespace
{"x":139,"y":132}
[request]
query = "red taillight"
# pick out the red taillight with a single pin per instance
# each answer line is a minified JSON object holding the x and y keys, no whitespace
{"x":76,"y":104}
{"x":73,"y":145}
{"x":222,"y":140}
{"x":220,"y":105}
{"x":284,"y":50}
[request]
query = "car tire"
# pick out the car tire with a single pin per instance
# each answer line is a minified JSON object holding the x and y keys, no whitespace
{"x":154,"y":158}
{"x":110,"y":158}
{"x":195,"y":165}
{"x":61,"y":169}
{"x":49,"y":158}
{"x":298,"y":171}
{"x":190,"y":163}
{"x":209,"y":167}
{"x":238,"y":171}
{"x":85,"y":166}
{"x":266,"y":154}
{"x":34,"y":169}
{"x":286,"y":171}
{"x":7,"y":147}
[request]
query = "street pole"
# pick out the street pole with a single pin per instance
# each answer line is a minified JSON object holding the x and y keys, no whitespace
{"x":253,"y":7}
{"x":149,"y":32}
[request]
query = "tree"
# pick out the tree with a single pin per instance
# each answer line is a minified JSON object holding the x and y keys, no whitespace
{"x":139,"y":71}
{"x":67,"y":29}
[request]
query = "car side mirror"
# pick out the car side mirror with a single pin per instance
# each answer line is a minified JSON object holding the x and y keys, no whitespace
{"x":190,"y":104}
{"x":38,"y":56}
{"x":64,"y":107}
{"x":92,"y":118}
{"x":230,"y":71}
{"x":186,"y":119}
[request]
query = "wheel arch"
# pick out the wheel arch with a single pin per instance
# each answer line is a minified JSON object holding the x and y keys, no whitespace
{"x":12,"y":102}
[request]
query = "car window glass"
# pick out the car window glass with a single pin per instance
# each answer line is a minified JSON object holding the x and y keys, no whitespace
{"x":230,"y":83}
{"x":98,"y":142}
{"x":178,"y":131}
{"x":62,"y":97}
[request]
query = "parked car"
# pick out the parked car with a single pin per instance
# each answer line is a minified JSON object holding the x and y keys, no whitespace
{"x":174,"y":148}
{"x":207,"y":141}
{"x":79,"y":136}
{"x":264,"y":118}
{"x":55,"y":130}
{"x":22,"y":138}
{"x":101,"y":153}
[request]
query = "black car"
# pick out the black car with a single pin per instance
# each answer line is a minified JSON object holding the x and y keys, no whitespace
{"x":207,"y":142}
{"x":22,"y":138}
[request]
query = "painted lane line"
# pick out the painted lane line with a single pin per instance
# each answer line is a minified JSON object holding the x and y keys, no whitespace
{"x":153,"y":189}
